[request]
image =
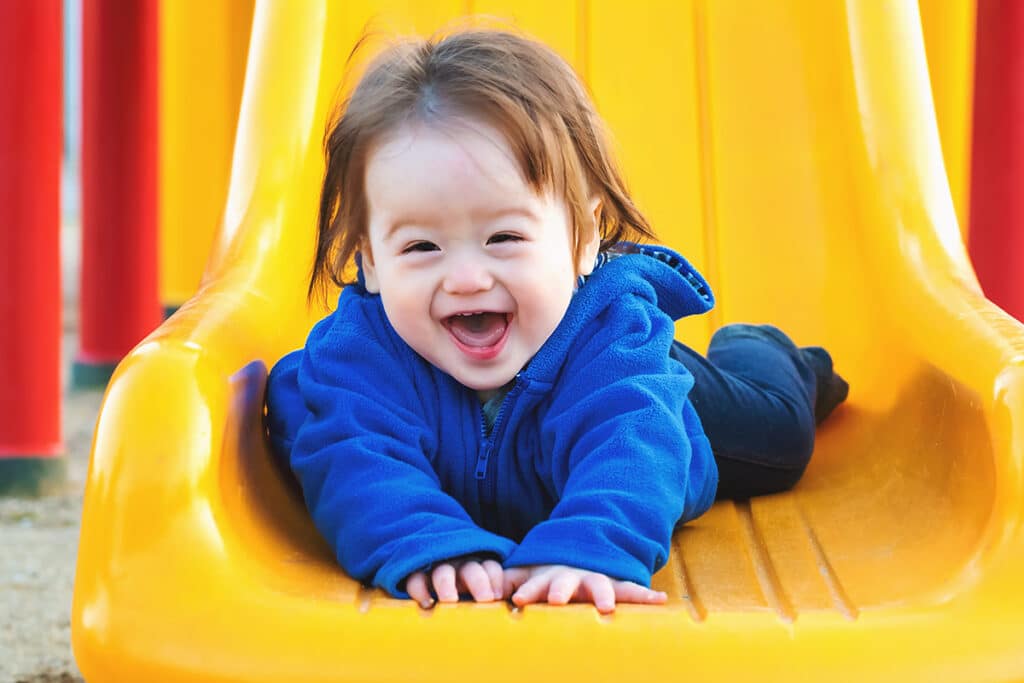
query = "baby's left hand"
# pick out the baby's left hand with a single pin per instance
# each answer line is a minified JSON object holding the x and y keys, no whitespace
{"x":559,"y":585}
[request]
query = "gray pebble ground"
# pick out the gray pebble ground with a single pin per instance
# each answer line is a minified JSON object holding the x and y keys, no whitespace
{"x":39,"y":537}
{"x":38,"y":544}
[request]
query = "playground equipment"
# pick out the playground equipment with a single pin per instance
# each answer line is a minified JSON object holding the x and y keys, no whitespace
{"x":791,"y":151}
{"x":202,"y":64}
{"x":119,"y":154}
{"x":949,"y":39}
{"x":996,"y":238}
{"x":203,"y":46}
{"x":30,"y":314}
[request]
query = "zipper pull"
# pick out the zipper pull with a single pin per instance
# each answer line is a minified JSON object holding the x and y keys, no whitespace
{"x":481,"y":461}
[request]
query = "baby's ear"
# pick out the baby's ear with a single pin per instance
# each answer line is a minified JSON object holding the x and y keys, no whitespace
{"x":369,"y":270}
{"x":590,"y":238}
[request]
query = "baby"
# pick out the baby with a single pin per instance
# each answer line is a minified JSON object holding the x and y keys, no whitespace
{"x":497,"y":407}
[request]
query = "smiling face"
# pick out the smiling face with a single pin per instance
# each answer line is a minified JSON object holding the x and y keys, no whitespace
{"x":474,"y":268}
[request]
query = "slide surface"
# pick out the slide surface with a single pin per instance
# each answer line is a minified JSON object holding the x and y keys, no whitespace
{"x":790,"y":150}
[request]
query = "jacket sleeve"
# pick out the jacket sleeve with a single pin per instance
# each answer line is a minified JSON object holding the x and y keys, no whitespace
{"x":628,"y":455}
{"x":360,"y":452}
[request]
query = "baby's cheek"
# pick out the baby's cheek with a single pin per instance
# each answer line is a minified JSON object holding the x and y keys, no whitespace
{"x":408,"y":318}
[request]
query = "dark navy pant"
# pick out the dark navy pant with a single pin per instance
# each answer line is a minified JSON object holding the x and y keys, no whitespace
{"x":755,"y":394}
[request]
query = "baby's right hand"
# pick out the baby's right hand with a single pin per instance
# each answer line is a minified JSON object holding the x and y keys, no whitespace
{"x":483,"y":579}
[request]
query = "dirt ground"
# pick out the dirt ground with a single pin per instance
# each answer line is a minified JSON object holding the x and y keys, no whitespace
{"x":38,"y":545}
{"x":39,"y":537}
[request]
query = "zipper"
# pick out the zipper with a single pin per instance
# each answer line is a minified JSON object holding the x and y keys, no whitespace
{"x":487,"y":487}
{"x":485,"y":448}
{"x":487,"y":443}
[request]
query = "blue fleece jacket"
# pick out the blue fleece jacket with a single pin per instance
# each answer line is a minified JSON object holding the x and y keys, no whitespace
{"x":595,"y":456}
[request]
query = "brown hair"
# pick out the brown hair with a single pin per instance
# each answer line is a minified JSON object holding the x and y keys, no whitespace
{"x":515,"y":84}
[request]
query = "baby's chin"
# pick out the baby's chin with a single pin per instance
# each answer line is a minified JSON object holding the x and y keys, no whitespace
{"x":488,"y":388}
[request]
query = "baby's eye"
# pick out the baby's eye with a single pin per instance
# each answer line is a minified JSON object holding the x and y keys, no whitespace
{"x":420,"y":246}
{"x":504,"y":237}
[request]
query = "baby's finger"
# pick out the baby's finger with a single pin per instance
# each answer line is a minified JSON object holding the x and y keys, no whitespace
{"x":494,"y":573}
{"x":512,"y":579}
{"x":563,"y":587}
{"x":601,"y":592}
{"x":476,"y":581}
{"x":627,"y":591}
{"x":417,"y":589}
{"x":443,"y":578}
{"x":533,"y":590}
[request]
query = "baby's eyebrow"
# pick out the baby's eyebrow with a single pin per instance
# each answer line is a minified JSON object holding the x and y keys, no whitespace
{"x":501,"y":212}
{"x":407,"y":223}
{"x":482,"y":214}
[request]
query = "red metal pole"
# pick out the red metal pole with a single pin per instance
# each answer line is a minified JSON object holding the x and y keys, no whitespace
{"x":996,"y":235}
{"x":30,"y":299}
{"x":119,"y":300}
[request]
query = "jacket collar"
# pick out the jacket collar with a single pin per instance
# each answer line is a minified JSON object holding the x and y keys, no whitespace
{"x":648,"y":271}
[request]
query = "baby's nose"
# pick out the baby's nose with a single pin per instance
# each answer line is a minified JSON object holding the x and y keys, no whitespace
{"x":467,"y":276}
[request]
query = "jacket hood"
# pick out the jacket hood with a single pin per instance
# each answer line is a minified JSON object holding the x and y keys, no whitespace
{"x":652,"y":272}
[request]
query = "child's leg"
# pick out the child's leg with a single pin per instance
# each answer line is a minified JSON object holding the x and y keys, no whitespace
{"x":759,"y":398}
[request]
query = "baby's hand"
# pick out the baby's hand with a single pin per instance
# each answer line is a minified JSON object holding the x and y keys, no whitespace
{"x":560,"y":584}
{"x":480,"y":578}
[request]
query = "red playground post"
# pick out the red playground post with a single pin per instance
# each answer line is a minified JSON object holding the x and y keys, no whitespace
{"x":119,"y":300}
{"x":996,"y":235}
{"x":30,"y":300}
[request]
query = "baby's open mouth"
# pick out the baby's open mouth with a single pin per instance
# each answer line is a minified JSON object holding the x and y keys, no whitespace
{"x":479,"y":329}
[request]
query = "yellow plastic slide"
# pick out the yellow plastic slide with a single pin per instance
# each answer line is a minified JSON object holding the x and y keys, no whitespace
{"x":790,"y":149}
